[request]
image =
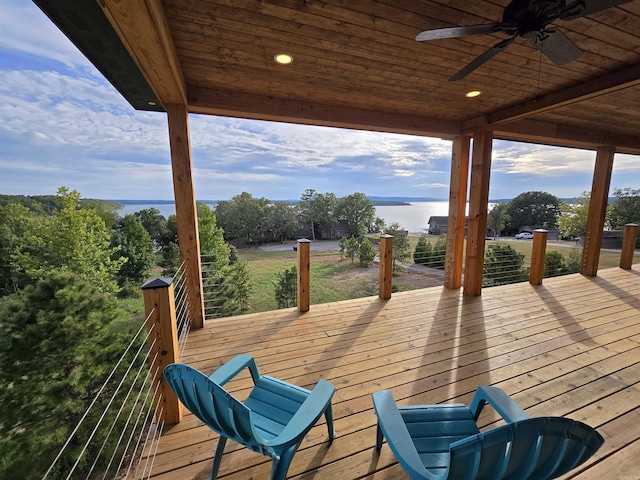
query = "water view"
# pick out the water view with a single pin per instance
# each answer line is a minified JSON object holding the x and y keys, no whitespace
{"x":412,"y":217}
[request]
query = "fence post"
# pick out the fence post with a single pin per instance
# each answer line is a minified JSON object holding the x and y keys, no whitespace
{"x":538,"y":250}
{"x":160,"y":312}
{"x":386,"y":266}
{"x":304,"y":274}
{"x":628,"y":245}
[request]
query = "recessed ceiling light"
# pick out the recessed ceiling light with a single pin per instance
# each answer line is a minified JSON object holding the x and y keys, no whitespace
{"x":151,"y":103}
{"x":473,"y":93}
{"x":283,"y":58}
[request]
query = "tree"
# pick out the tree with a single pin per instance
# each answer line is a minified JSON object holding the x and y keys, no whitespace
{"x":625,"y":209}
{"x":154,"y":223}
{"x":283,"y":223}
{"x":503,"y":265}
{"x":366,"y":253}
{"x":572,"y":220}
{"x":535,"y":209}
{"x":170,"y":261}
{"x":423,"y":251}
{"x":377,"y":226}
{"x":497,"y":218}
{"x":286,"y":290}
{"x":306,"y":209}
{"x":244,"y":218}
{"x":358,"y":211}
{"x":134,"y":244}
{"x":554,"y":264}
{"x":324,"y":207}
{"x":401,"y":247}
{"x":59,"y":339}
{"x":16,"y":226}
{"x":351,"y":248}
{"x":439,"y":253}
{"x":74,"y":239}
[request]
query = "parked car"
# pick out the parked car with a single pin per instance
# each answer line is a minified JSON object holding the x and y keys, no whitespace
{"x":524,"y":235}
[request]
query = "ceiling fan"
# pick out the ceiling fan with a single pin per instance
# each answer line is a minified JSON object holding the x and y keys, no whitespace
{"x":531,"y":20}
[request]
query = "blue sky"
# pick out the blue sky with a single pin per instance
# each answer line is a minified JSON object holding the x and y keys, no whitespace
{"x":61,"y":123}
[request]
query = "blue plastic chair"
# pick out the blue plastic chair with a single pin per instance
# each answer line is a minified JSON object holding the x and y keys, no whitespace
{"x":272,"y":421}
{"x":437,"y":442}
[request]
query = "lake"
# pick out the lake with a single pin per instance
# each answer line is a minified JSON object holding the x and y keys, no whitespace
{"x":411,"y":217}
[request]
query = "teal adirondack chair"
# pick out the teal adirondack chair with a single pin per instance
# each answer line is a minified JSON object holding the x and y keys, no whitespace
{"x":272,"y":421}
{"x":438,"y":442}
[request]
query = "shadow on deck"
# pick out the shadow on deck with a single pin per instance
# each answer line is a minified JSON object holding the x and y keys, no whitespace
{"x":570,"y":347}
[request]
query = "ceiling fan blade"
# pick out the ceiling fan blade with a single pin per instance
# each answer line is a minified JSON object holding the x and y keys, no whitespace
{"x":453,"y":32}
{"x":497,"y":48}
{"x":558,"y":48}
{"x":583,"y":8}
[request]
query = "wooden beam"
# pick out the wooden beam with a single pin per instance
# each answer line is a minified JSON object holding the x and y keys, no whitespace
{"x":538,"y":251}
{"x":261,"y":107}
{"x":609,"y":83}
{"x":628,"y":245}
{"x":386,"y":267}
{"x":304,"y":274}
{"x":566,"y":136}
{"x":597,"y":211}
{"x":457,"y":212}
{"x":142,"y":26}
{"x":478,"y":211}
{"x":186,"y":212}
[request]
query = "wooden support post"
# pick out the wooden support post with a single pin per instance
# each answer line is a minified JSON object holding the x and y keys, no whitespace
{"x":186,"y":212}
{"x":628,"y":245}
{"x":386,"y":266}
{"x":457,"y":212}
{"x":478,"y":211}
{"x":597,"y":211}
{"x":538,"y":250}
{"x":160,"y":312}
{"x":304,"y":274}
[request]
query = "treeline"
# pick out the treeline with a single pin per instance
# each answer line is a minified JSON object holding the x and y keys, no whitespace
{"x":543,"y":210}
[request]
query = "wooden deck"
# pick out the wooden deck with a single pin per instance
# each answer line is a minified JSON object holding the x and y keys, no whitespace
{"x":570,"y":347}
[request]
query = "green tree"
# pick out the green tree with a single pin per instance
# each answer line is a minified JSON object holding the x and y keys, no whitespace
{"x":283,"y":223}
{"x":239,"y":280}
{"x":423,"y":251}
{"x":358,"y":211}
{"x":154,"y":223}
{"x":170,"y":261}
{"x":377,"y":226}
{"x":497,"y":218}
{"x":401,"y":246}
{"x":625,"y":209}
{"x":366,"y":253}
{"x":244,"y":218}
{"x":286,"y":290}
{"x":352,"y":246}
{"x":16,"y":226}
{"x":503,"y":265}
{"x":307,"y":210}
{"x":133,"y":243}
{"x":439,"y":253}
{"x":59,"y":339}
{"x":325,"y":206}
{"x":536,"y":209}
{"x":74,"y":239}
{"x":574,"y":260}
{"x":572,"y":220}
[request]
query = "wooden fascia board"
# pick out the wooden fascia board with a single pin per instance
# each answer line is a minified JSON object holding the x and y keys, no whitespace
{"x":143,"y":28}
{"x":260,"y":107}
{"x":609,"y":83}
{"x":566,"y":136}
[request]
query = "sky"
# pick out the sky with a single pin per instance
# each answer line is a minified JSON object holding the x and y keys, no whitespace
{"x":63,"y":124}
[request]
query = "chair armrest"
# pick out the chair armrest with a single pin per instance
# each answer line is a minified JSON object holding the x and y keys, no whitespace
{"x":306,"y":417}
{"x":500,"y":401}
{"x":230,"y":369}
{"x":397,"y":435}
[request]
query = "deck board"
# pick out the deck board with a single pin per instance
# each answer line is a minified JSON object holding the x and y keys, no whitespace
{"x":570,"y":347}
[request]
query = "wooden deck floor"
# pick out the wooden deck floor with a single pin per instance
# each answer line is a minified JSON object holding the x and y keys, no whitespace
{"x":570,"y":347}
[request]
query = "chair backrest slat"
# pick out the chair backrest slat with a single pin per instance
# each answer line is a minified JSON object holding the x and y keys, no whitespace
{"x":536,"y":448}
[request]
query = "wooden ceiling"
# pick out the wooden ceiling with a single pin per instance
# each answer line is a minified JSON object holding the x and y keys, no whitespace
{"x":356,"y":64}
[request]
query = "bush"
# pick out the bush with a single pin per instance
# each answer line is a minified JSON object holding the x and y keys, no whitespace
{"x":554,"y":264}
{"x":287,"y":288}
{"x":503,"y":265}
{"x":423,"y":251}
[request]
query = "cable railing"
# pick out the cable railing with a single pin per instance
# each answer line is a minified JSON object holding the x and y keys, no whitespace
{"x":117,"y":436}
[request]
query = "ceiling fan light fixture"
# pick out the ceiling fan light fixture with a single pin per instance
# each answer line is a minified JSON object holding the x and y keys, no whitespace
{"x":283,"y":58}
{"x":472,"y":93}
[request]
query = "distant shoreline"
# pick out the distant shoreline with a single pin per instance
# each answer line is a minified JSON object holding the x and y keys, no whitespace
{"x":377,"y":201}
